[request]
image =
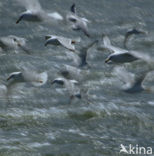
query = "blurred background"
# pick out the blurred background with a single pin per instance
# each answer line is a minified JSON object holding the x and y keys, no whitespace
{"x":41,"y":121}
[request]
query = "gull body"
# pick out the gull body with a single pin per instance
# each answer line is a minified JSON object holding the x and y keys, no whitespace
{"x":36,"y":79}
{"x":83,"y":53}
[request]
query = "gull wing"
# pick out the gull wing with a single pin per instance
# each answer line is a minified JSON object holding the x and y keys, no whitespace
{"x":74,"y":57}
{"x":139,"y":79}
{"x":71,"y":87}
{"x":51,"y":39}
{"x":142,"y":56}
{"x":67,"y":43}
{"x":83,"y":52}
{"x":125,"y":76}
{"x":108,"y":45}
{"x":73,"y":8}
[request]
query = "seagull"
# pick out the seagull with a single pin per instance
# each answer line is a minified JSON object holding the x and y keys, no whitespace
{"x":119,"y":55}
{"x":77,"y":23}
{"x":36,"y":79}
{"x":35,"y":13}
{"x":63,"y":41}
{"x":13,"y":42}
{"x":133,"y":84}
{"x":132,"y":32}
{"x":73,"y":8}
{"x":70,"y":86}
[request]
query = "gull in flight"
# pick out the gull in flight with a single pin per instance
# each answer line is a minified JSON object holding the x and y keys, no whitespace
{"x":132,"y":32}
{"x":27,"y":76}
{"x":63,"y":41}
{"x":35,"y":13}
{"x":79,"y":58}
{"x":77,"y":23}
{"x":132,"y":83}
{"x":13,"y":42}
{"x":120,"y":55}
{"x":70,"y":85}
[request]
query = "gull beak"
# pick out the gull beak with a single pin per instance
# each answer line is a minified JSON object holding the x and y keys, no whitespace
{"x":8,"y":78}
{"x":18,"y":21}
{"x":20,"y":18}
{"x":73,"y":42}
{"x":39,"y":81}
{"x":107,"y":60}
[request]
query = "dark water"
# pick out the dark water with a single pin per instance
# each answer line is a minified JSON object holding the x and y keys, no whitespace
{"x":40,"y":121}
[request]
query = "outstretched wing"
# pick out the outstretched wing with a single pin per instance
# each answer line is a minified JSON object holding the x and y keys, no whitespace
{"x":130,"y":33}
{"x":67,"y":43}
{"x":83,"y":52}
{"x":125,"y":76}
{"x":73,"y":8}
{"x":110,"y":47}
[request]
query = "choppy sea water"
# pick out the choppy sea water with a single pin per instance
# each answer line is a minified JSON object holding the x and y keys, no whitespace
{"x":41,"y":121}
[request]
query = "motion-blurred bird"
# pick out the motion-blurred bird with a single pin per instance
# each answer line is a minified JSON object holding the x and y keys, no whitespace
{"x":77,"y":23}
{"x":35,"y":13}
{"x":63,"y":41}
{"x":79,"y":58}
{"x":36,"y":79}
{"x":119,"y":55}
{"x":70,"y":85}
{"x":13,"y":42}
{"x":130,"y":33}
